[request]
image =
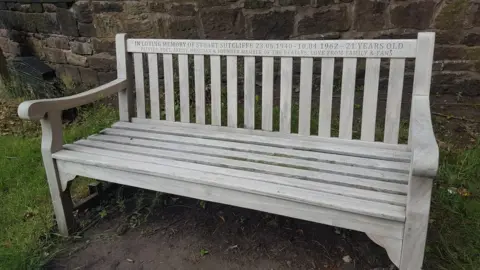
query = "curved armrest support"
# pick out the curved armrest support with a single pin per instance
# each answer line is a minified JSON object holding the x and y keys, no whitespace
{"x":36,"y":109}
{"x":424,"y":145}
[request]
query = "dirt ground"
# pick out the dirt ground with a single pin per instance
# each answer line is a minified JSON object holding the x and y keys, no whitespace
{"x":181,"y":233}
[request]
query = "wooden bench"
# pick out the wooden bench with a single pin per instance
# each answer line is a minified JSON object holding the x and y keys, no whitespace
{"x":380,"y":188}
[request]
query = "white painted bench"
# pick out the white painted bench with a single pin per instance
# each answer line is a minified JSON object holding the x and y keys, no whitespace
{"x":380,"y":188}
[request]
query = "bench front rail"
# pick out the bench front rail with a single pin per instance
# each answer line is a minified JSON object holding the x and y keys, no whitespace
{"x":382,"y":188}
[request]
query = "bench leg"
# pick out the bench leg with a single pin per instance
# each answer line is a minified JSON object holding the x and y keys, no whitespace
{"x":52,"y":142}
{"x":391,"y":245}
{"x":415,"y":235}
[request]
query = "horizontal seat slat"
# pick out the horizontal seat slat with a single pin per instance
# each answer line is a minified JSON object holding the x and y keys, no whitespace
{"x":175,"y":159}
{"x":363,"y":223}
{"x":315,"y":139}
{"x":285,"y":142}
{"x":317,"y":198}
{"x":263,"y":167}
{"x":244,"y":151}
{"x":293,"y":163}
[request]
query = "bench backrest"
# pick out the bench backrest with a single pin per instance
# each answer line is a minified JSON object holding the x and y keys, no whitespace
{"x":176,"y":53}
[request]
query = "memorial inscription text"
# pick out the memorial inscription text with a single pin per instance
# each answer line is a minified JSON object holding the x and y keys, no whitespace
{"x":283,"y":48}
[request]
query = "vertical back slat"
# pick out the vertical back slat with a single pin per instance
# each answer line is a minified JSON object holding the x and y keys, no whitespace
{"x":267,"y":93}
{"x":154,"y":89}
{"x":370,"y":97}
{"x":305,"y":110}
{"x":215,"y":76}
{"x":168,"y":79}
{"x":286,"y":94}
{"x":139,"y":84}
{"x":347,"y":97}
{"x":232,"y":91}
{"x":326,"y":94}
{"x":124,"y":71}
{"x":249,"y":92}
{"x":394,"y":100}
{"x":199,"y":89}
{"x":184,"y":88}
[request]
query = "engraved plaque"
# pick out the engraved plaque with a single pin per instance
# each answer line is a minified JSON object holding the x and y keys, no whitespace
{"x":291,"y":48}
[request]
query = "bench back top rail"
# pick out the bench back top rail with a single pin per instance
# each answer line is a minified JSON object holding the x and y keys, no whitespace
{"x":196,"y":66}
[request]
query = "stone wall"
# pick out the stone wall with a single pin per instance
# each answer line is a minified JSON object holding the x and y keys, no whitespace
{"x":77,"y":38}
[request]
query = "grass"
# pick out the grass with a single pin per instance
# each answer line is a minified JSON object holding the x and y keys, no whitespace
{"x":454,"y":235}
{"x":27,"y":240}
{"x":26,"y":223}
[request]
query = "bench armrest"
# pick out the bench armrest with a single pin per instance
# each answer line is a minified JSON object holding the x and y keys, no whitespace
{"x":37,"y":109}
{"x":423,"y":143}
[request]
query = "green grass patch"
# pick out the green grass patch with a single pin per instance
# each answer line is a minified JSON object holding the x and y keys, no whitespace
{"x":454,"y":235}
{"x":26,"y":239}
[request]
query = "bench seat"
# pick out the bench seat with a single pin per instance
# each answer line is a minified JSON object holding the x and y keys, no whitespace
{"x":355,"y":177}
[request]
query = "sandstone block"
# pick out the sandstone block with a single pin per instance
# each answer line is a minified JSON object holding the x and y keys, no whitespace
{"x":89,"y":77}
{"x":223,"y":24}
{"x":450,"y":53}
{"x":54,"y":55}
{"x":142,"y":26}
{"x":86,"y":30}
{"x":212,"y":3}
{"x":107,"y":25}
{"x":370,"y":15}
{"x":105,"y":7}
{"x":177,"y":9}
{"x":135,"y":8}
{"x":459,"y":65}
{"x":69,"y":75}
{"x":417,"y":15}
{"x":23,"y":8}
{"x":472,"y":38}
{"x":294,"y":2}
{"x":67,"y":22}
{"x":36,"y":7}
{"x":456,"y":82}
{"x":254,"y":4}
{"x":453,"y":36}
{"x":103,"y":45}
{"x":184,"y":28}
{"x":320,"y":3}
{"x":49,"y":7}
{"x":76,"y":60}
{"x":474,"y":14}
{"x":83,"y":48}
{"x":102,"y":62}
{"x":105,"y":77}
{"x":157,"y":7}
{"x":57,"y":42}
{"x":452,"y":15}
{"x":46,"y":23}
{"x":82,"y":12}
{"x":271,"y":25}
{"x":324,"y":20}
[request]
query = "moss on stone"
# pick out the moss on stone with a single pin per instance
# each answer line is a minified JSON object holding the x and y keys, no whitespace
{"x":473,"y":53}
{"x":452,"y":15}
{"x":68,"y":82}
